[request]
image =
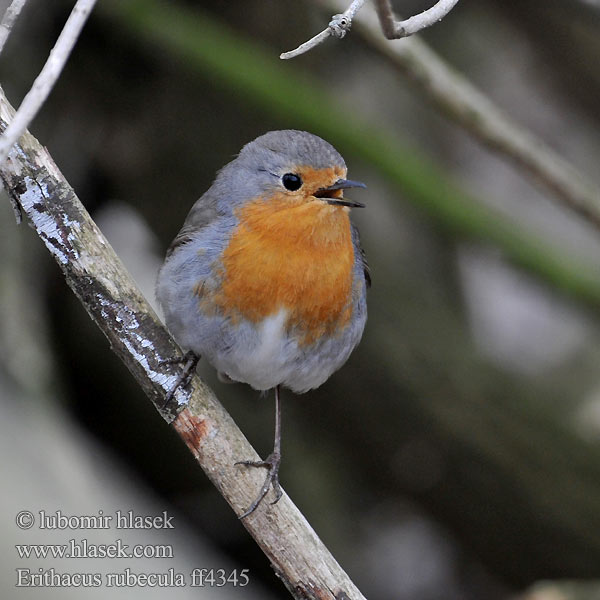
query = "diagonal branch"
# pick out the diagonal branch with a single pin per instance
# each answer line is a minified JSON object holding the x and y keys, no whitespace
{"x":48,"y":75}
{"x":10,"y":16}
{"x":111,"y":298}
{"x":474,"y":111}
{"x":393,"y":29}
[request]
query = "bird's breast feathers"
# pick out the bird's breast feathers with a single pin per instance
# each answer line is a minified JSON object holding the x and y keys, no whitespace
{"x":297,"y":258}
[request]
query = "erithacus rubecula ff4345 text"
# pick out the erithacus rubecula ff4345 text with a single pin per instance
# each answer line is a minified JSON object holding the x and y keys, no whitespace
{"x":267,"y":279}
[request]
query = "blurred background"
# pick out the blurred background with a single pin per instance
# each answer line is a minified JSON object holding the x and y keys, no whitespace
{"x":457,"y":454}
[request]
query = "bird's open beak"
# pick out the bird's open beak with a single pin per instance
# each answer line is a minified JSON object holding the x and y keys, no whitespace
{"x":340,"y":184}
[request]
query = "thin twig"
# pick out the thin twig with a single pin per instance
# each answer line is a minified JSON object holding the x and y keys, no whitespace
{"x":10,"y":16}
{"x":112,"y":299}
{"x":340,"y":24}
{"x":338,"y":27}
{"x":45,"y":81}
{"x":393,"y":29}
{"x":476,"y":113}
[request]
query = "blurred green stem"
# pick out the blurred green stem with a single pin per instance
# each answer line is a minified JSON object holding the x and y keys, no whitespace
{"x":246,"y":67}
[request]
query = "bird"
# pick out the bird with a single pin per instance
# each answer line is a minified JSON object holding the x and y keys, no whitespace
{"x":267,"y":279}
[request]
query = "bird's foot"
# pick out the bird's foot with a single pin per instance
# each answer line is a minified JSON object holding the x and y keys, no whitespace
{"x":190,"y":362}
{"x":271,"y":463}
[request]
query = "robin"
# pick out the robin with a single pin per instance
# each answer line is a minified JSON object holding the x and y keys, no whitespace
{"x":267,"y":279}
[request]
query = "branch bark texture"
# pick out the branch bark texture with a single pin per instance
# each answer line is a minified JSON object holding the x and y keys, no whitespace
{"x":110,"y":296}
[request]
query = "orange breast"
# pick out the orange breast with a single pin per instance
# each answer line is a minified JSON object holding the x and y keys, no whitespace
{"x":295,"y":256}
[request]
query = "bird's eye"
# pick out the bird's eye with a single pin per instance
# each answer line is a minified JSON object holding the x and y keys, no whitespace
{"x":291,"y":182}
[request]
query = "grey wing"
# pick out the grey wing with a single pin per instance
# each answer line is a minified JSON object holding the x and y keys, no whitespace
{"x":363,"y":256}
{"x":202,"y":214}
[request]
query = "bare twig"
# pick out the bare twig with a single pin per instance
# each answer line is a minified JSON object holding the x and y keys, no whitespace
{"x":474,"y":111}
{"x":393,"y":29}
{"x":340,"y":24}
{"x":338,"y":27}
{"x":45,"y":81}
{"x":10,"y":16}
{"x":110,"y":296}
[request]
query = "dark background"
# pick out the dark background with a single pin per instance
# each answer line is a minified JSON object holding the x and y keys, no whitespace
{"x":456,"y":454}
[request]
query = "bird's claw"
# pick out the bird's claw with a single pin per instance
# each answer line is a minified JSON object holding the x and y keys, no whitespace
{"x":190,"y":361}
{"x":271,"y":463}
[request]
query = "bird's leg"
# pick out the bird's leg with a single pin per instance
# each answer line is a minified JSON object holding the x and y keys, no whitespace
{"x":271,"y":463}
{"x":190,"y":362}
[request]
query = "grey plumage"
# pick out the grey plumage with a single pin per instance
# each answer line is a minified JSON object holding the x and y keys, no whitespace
{"x":263,"y":355}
